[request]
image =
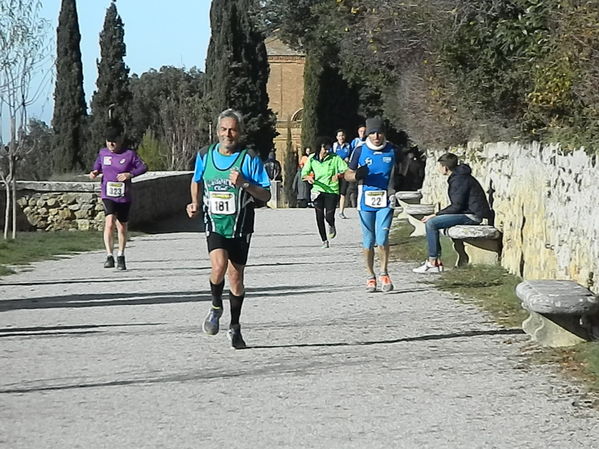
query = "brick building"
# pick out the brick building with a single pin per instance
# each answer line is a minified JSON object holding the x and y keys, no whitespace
{"x":286,"y":93}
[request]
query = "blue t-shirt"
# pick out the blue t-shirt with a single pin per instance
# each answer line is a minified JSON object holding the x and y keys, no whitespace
{"x":252,"y":168}
{"x":380,"y":167}
{"x":343,"y":150}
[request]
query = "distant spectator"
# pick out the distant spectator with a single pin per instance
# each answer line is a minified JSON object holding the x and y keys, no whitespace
{"x":301,"y":189}
{"x":273,"y":167}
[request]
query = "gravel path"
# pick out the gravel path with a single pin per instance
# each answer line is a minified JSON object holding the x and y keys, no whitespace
{"x":94,"y":358}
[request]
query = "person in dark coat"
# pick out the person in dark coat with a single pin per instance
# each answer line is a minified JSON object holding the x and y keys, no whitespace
{"x":301,"y":189}
{"x":468,"y":206}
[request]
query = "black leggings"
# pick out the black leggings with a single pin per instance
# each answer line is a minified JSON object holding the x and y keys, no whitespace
{"x":328,"y":202}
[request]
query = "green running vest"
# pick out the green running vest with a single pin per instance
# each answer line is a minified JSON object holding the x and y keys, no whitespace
{"x":224,"y":204}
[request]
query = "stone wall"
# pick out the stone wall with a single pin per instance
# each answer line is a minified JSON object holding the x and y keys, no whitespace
{"x":545,"y":203}
{"x":53,"y":206}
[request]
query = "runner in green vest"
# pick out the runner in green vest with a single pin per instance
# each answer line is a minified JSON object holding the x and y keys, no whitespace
{"x":228,"y":178}
{"x":323,"y":170}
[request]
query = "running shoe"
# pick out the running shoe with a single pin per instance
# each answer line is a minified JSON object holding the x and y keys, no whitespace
{"x":332,"y":231}
{"x":109,"y":262}
{"x":342,"y":215}
{"x":428,"y":267}
{"x":325,"y":244}
{"x":120,"y":263}
{"x":235,"y":337}
{"x":210,"y":325}
{"x":386,"y":284}
{"x":371,"y":285}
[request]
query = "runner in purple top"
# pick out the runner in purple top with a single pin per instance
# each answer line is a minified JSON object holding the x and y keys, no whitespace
{"x":117,"y":165}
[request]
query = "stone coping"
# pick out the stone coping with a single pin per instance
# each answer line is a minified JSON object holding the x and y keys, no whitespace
{"x":420,"y":209}
{"x":89,"y":186}
{"x":473,"y":232}
{"x":557,"y":297}
{"x":408,"y":195}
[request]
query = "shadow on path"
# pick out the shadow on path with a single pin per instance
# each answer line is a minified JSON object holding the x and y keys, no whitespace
{"x":145,"y":298}
{"x":474,"y":333}
{"x":266,"y":370}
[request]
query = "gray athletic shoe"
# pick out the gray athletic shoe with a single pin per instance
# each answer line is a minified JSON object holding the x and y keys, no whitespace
{"x":332,"y":232}
{"x":210,"y":325}
{"x":325,"y":244}
{"x":235,"y":337}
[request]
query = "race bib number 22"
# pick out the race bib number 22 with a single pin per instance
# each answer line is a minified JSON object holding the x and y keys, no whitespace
{"x":376,"y":198}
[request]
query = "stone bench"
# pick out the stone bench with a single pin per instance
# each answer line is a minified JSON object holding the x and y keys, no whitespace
{"x":475,"y":243}
{"x":414,"y":213}
{"x":561,"y":313}
{"x":404,"y":198}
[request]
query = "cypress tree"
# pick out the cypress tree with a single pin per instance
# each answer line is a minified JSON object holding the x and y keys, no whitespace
{"x":237,"y":71}
{"x":113,"y":92}
{"x":70,"y":110}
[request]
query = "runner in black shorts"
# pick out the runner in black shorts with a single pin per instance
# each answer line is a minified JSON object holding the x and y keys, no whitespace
{"x":237,"y":248}
{"x":118,"y":166}
{"x":119,"y":210}
{"x":227,"y":179}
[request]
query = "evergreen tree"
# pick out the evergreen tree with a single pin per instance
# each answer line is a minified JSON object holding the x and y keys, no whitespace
{"x":70,"y":110}
{"x":111,"y":100}
{"x":237,"y":71}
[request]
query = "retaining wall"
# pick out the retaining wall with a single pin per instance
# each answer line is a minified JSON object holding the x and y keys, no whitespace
{"x":52,"y":206}
{"x":546,"y":203}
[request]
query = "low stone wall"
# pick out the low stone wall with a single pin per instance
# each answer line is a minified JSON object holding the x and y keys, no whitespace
{"x":54,"y":206}
{"x":545,"y":202}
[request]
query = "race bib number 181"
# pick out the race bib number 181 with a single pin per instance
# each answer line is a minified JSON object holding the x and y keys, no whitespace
{"x":222,"y":203}
{"x":376,"y":198}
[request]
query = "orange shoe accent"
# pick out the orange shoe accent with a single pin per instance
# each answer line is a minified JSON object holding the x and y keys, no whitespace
{"x":371,"y":284}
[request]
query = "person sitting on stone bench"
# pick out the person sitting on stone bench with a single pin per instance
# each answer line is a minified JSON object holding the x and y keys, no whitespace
{"x":468,"y":206}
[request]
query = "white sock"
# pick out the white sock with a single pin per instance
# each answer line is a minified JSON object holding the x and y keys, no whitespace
{"x":121,"y":253}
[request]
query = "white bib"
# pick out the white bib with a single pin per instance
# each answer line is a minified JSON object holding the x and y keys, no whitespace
{"x":375,"y":198}
{"x":115,"y":189}
{"x":222,"y":203}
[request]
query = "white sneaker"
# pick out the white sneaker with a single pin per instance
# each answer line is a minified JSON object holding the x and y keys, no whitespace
{"x":427,"y":267}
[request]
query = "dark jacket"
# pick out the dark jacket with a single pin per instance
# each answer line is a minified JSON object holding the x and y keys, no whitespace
{"x":466,"y":194}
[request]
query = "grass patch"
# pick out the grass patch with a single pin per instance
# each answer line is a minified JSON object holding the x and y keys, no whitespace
{"x":414,"y":249}
{"x":33,"y":246}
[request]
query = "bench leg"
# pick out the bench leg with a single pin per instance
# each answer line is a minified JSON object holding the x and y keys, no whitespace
{"x":402,"y":215}
{"x":463,"y":258}
{"x":419,"y":227}
{"x":557,"y":331}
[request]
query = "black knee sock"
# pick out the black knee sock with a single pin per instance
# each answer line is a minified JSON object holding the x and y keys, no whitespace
{"x":217,"y":294}
{"x":236,"y":303}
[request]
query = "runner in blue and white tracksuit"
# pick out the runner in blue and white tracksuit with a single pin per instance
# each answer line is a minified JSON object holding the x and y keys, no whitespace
{"x":371,"y":165}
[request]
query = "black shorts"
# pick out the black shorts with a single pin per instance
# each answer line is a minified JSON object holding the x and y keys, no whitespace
{"x":121,"y":210}
{"x":343,"y":184}
{"x":238,"y":248}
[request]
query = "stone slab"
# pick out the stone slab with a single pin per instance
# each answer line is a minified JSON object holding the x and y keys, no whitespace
{"x":473,"y":232}
{"x":420,"y":209}
{"x":408,"y":196}
{"x":557,"y":297}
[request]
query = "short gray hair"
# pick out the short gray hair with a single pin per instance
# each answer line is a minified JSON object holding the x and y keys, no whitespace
{"x":235,"y":115}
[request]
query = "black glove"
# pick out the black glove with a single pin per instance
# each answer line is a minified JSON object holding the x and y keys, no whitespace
{"x":361,"y":172}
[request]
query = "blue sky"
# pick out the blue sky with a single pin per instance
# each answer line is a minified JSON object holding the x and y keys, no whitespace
{"x":157,"y":33}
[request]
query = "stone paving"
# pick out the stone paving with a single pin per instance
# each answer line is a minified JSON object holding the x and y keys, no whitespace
{"x":94,"y":358}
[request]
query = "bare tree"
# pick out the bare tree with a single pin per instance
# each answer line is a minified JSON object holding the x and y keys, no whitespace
{"x":23,"y":46}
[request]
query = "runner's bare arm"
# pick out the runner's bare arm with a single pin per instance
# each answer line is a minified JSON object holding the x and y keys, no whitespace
{"x":256,"y":191}
{"x":194,"y":207}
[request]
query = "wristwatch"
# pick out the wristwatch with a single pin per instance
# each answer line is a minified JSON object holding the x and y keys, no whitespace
{"x":245,"y":185}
